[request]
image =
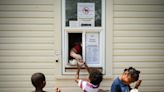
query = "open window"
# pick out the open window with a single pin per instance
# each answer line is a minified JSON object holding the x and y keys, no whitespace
{"x":75,"y":46}
{"x":84,"y":29}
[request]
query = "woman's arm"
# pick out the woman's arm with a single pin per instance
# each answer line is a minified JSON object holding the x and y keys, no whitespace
{"x":73,"y":53}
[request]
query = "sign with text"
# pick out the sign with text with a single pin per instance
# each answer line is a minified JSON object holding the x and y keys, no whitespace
{"x":92,"y":48}
{"x":86,"y":14}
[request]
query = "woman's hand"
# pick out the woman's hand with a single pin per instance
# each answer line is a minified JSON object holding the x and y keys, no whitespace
{"x":78,"y":57}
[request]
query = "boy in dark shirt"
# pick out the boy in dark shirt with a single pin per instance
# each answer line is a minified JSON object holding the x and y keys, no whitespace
{"x":39,"y":81}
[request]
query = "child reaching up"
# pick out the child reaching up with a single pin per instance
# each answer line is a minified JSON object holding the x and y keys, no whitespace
{"x":94,"y":80}
{"x":39,"y":81}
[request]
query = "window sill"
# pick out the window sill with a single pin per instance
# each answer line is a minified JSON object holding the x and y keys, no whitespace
{"x":72,"y":77}
{"x":73,"y":69}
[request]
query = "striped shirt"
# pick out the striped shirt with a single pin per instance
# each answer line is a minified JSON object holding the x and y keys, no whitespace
{"x":87,"y":87}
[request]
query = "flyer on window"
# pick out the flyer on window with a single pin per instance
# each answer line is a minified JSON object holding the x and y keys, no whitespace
{"x":86,"y":14}
{"x":92,"y":48}
{"x":86,"y":10}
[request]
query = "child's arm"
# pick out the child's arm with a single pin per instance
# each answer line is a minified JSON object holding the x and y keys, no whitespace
{"x":86,"y":66}
{"x":77,"y":74}
{"x":138,"y":83}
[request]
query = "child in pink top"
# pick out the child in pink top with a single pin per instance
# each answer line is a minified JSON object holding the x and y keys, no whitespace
{"x":95,"y":78}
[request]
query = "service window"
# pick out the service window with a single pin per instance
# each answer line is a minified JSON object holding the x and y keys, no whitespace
{"x":83,"y":33}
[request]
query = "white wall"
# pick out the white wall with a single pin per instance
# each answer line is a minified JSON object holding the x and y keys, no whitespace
{"x":27,"y":45}
{"x":139,"y":40}
{"x":30,"y":35}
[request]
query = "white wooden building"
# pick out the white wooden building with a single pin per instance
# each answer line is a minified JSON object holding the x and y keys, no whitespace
{"x":32,"y":39}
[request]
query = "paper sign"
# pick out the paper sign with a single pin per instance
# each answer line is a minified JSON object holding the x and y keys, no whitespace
{"x":86,"y":14}
{"x":92,"y":48}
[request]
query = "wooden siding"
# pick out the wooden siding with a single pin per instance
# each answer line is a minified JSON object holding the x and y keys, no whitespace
{"x":30,"y":34}
{"x":139,"y":41}
{"x":27,"y":44}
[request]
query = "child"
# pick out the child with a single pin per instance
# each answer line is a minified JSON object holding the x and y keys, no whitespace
{"x":39,"y":81}
{"x":95,"y":78}
{"x":122,"y":83}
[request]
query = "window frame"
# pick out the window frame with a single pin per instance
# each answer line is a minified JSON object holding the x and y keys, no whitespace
{"x":66,"y":30}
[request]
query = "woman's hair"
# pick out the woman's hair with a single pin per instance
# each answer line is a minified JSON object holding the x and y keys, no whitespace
{"x":95,"y":77}
{"x":133,"y":73}
{"x":37,"y":79}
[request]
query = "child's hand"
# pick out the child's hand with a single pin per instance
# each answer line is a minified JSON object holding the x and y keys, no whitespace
{"x":78,"y":67}
{"x":138,"y":83}
{"x":57,"y":90}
